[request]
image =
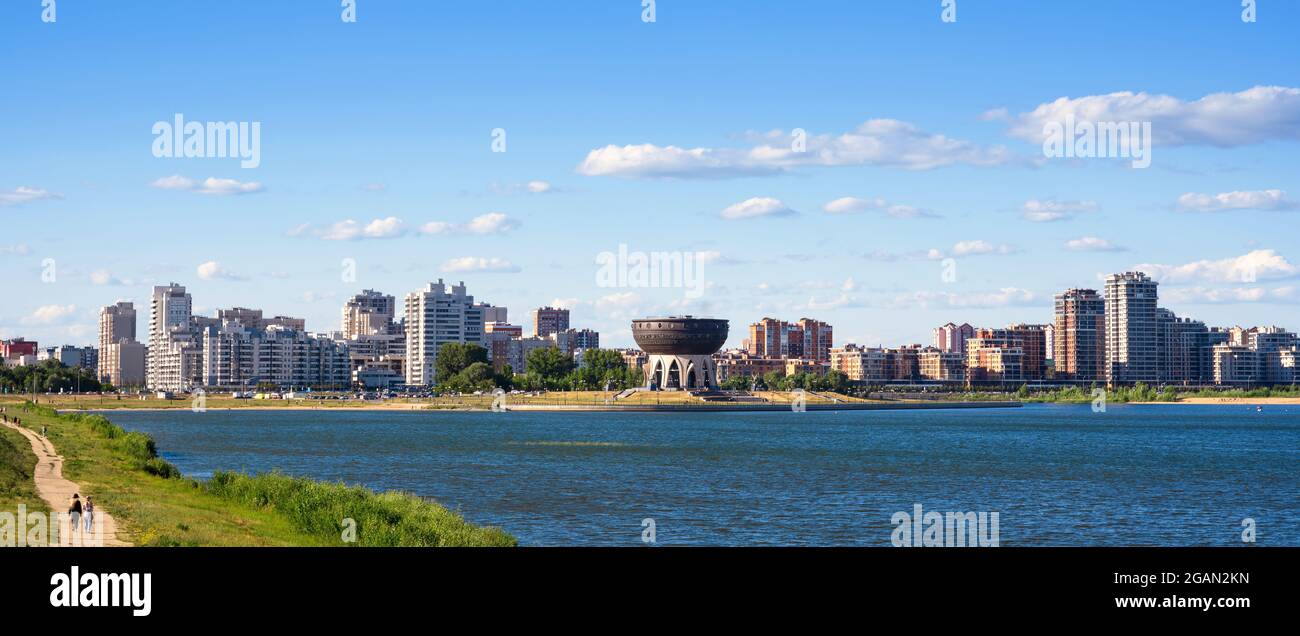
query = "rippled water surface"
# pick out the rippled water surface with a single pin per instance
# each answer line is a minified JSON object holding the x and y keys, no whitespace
{"x":1057,"y":475}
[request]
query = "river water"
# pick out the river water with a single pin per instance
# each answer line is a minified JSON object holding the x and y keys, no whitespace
{"x":1055,"y":474}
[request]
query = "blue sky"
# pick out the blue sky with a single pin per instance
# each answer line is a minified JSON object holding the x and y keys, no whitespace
{"x":643,"y":134}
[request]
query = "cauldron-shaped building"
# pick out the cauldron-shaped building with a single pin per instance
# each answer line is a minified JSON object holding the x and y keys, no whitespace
{"x":680,"y":350}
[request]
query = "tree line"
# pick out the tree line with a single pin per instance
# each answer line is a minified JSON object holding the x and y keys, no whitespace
{"x":50,"y":376}
{"x":465,"y":367}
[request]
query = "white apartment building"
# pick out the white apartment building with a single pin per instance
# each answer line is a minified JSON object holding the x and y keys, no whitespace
{"x":236,"y":356}
{"x":436,"y":315}
{"x":368,"y":313}
{"x":169,"y":310}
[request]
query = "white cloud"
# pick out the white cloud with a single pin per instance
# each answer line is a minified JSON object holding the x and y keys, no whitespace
{"x":174,"y":182}
{"x":212,"y":270}
{"x":847,"y":205}
{"x":1236,"y":200}
{"x":841,"y":301}
{"x":209,"y":186}
{"x":491,"y":223}
{"x":1255,"y":115}
{"x":876,"y":142}
{"x":1004,"y":297}
{"x":393,"y":227}
{"x":1256,"y":265}
{"x":757,"y":207}
{"x":538,"y":187}
{"x":478,"y":264}
{"x":1092,"y":244}
{"x":619,"y":305}
{"x":565,"y":303}
{"x":313,"y":297}
{"x":390,"y":227}
{"x":651,"y":161}
{"x":348,"y":230}
{"x":976,"y":248}
{"x":50,"y":314}
{"x":19,"y":249}
{"x":1040,"y":211}
{"x":222,"y":187}
{"x":1223,"y":295}
{"x":25,"y":194}
{"x":105,"y":277}
{"x":436,"y":227}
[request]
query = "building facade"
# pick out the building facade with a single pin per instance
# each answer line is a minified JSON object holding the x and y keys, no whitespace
{"x":952,"y":337}
{"x":1132,"y":329}
{"x":436,"y":315}
{"x":368,"y":313}
{"x":548,"y":320}
{"x":1079,"y":331}
{"x":861,"y":364}
{"x":942,"y":366}
{"x":170,"y":309}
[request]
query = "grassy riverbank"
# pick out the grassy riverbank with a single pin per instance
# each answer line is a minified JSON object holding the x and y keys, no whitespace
{"x":16,"y":483}
{"x":156,"y":506}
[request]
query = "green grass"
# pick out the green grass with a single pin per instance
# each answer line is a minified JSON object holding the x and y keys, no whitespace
{"x":388,"y":519}
{"x":16,"y":465}
{"x":155,"y":506}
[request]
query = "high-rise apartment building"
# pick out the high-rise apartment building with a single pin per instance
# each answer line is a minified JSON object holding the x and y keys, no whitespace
{"x":169,"y":310}
{"x":548,"y":320}
{"x":117,"y":326}
{"x":1132,"y":329}
{"x":818,"y":338}
{"x":805,"y":339}
{"x":436,"y":315}
{"x":767,"y":339}
{"x":1183,"y":349}
{"x":368,"y":313}
{"x":1079,"y":350}
{"x":116,"y":322}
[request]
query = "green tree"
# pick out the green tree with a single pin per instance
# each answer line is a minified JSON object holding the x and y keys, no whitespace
{"x":550,"y":365}
{"x":454,"y":357}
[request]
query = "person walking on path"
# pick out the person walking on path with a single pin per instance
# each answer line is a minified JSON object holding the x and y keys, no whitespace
{"x":88,"y":513}
{"x":74,"y":513}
